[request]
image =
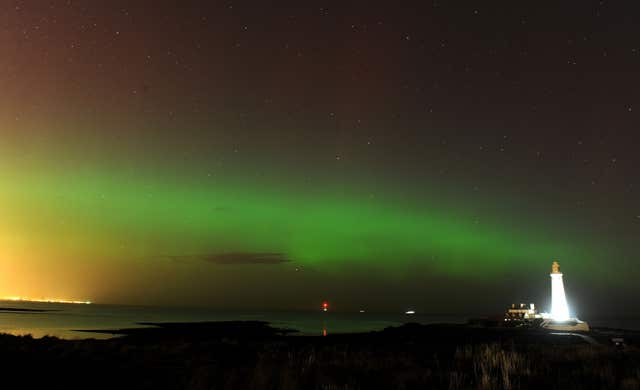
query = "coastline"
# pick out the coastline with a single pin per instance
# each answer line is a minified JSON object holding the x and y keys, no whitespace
{"x":252,"y":354}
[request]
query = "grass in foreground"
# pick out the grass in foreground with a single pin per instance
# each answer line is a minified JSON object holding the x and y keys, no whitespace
{"x":255,"y":356}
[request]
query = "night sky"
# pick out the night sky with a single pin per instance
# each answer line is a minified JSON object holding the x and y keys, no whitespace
{"x":237,"y":154}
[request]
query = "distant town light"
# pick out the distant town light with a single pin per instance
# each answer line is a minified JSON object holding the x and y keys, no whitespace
{"x":45,"y":300}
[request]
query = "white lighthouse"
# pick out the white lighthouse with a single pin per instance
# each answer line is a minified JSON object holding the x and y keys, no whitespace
{"x":559,"y":318}
{"x":559,"y":307}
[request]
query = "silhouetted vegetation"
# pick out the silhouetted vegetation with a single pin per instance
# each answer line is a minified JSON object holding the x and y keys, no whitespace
{"x":252,"y":355}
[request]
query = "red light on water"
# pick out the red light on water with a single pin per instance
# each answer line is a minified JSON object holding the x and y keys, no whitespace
{"x":325,"y":305}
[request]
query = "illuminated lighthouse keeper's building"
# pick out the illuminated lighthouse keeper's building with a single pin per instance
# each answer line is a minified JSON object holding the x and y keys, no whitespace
{"x":558,"y":319}
{"x":559,"y":307}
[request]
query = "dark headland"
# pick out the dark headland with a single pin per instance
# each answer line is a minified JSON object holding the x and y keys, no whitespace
{"x":253,"y":355}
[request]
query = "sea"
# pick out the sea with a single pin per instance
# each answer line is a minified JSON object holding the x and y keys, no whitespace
{"x":67,"y":321}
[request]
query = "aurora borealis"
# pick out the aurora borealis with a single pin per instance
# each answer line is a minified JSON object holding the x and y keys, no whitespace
{"x":238,"y":155}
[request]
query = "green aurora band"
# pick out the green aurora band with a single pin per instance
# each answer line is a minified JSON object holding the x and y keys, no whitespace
{"x":328,"y":229}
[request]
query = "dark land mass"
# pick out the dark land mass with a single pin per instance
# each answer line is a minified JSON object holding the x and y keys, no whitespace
{"x":18,"y":310}
{"x":253,"y":355}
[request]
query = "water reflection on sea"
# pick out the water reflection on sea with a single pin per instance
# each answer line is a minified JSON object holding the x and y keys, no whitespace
{"x":63,"y":320}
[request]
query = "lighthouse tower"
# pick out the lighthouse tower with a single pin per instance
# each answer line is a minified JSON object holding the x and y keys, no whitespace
{"x":559,"y":307}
